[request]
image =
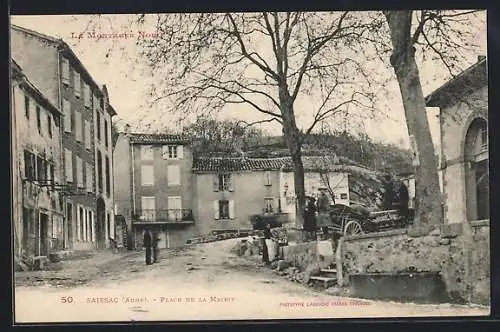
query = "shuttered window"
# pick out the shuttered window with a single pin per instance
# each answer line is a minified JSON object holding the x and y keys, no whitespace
{"x":67,"y":115}
{"x":174,"y":175}
{"x":224,"y":209}
{"x":68,"y":165}
{"x":78,"y":126}
{"x":78,"y":85}
{"x":89,"y":178}
{"x":65,"y":71}
{"x":87,"y":95}
{"x":87,"y":138}
{"x":79,"y":172}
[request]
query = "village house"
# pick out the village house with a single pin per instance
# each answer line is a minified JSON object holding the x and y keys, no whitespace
{"x":86,"y":135}
{"x":228,"y":191}
{"x":36,"y":168}
{"x":154,"y":190}
{"x":463,"y":113}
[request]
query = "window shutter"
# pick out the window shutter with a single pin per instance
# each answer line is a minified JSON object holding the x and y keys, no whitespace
{"x":230,"y":182}
{"x":79,"y":171}
{"x":180,"y":152}
{"x":65,"y":71}
{"x":67,"y":116}
{"x":87,"y":138}
{"x":231,"y":209}
{"x":88,"y":178}
{"x":68,"y":164}
{"x":78,"y":84}
{"x":216,"y":210}
{"x":216,"y":182}
{"x":87,"y":95}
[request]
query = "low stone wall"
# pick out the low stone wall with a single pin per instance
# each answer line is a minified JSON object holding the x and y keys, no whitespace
{"x":463,"y":261}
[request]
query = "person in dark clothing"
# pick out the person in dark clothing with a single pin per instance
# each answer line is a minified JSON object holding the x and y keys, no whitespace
{"x":156,"y":250}
{"x":147,"y":244}
{"x":389,"y":193}
{"x":403,"y":200}
{"x":310,"y":219}
{"x":265,"y":249}
{"x":323,"y":215}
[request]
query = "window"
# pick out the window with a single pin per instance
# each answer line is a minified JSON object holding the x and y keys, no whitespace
{"x":87,"y":95}
{"x":87,"y":137}
{"x":39,"y":119}
{"x":172,"y":152}
{"x":65,"y":71}
{"x":49,"y":125}
{"x":108,"y":178}
{"x":67,"y":116}
{"x":148,"y":208}
{"x":89,"y":178}
{"x":78,"y":126}
{"x":147,"y":175}
{"x":267,"y":178}
{"x":78,"y":84}
{"x":79,"y":172}
{"x":106,"y":133}
{"x":40,"y":169}
{"x":68,"y":165}
{"x":29,"y":165}
{"x":268,"y":205}
{"x":98,"y":125}
{"x":27,"y":106}
{"x":99,"y":171}
{"x":174,"y":204}
{"x":222,"y":182}
{"x":147,"y":152}
{"x":52,"y":172}
{"x":174,"y":175}
{"x":224,"y":209}
{"x":343,"y":196}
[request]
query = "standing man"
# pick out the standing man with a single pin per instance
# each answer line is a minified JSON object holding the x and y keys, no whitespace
{"x":310,"y":219}
{"x":403,"y":200}
{"x":156,"y":249}
{"x":147,"y":244}
{"x":323,"y":216}
{"x":389,"y":192}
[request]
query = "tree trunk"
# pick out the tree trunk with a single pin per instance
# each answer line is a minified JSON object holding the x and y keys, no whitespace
{"x":428,"y":194}
{"x":292,"y":136}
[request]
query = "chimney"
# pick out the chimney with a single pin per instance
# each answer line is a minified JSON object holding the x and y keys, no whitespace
{"x":481,"y":58}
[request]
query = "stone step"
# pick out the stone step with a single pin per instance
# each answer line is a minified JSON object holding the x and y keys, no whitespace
{"x":325,"y":281}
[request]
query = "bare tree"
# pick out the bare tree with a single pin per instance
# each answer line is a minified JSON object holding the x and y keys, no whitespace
{"x":268,"y":62}
{"x":434,"y":31}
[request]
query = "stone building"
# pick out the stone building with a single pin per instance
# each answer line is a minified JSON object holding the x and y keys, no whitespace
{"x":230,"y":190}
{"x":36,"y":168}
{"x":463,"y":104}
{"x":155,"y":187}
{"x":86,"y":135}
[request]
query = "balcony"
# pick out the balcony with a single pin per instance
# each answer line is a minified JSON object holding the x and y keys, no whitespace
{"x":167,"y":216}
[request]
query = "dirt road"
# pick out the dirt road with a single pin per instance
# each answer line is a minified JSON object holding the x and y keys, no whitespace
{"x":201,"y":282}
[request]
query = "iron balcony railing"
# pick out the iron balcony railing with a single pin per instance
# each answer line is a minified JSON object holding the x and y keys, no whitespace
{"x":164,"y":216}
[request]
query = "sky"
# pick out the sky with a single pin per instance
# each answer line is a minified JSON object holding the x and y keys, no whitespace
{"x":114,"y":62}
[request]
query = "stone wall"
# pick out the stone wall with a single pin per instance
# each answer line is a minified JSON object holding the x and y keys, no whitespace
{"x":464,"y":266}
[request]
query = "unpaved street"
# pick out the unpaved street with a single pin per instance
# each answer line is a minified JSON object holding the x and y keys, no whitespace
{"x":201,"y":282}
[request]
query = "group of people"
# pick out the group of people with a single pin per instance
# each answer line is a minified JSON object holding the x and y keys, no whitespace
{"x":396,"y":199}
{"x":150,"y":243}
{"x":318,"y":211}
{"x":310,"y":220}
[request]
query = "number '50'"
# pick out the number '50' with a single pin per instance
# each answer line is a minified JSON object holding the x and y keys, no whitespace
{"x":66,"y":299}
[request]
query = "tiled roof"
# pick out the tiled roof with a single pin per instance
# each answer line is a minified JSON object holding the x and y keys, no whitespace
{"x":218,"y":164}
{"x":311,"y":164}
{"x":471,"y":78}
{"x":143,"y":138}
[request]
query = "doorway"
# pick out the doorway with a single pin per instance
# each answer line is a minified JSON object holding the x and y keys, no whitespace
{"x":100,"y":230}
{"x":44,"y":234}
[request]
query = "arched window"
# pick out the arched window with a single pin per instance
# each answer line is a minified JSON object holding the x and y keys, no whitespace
{"x":476,"y":170}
